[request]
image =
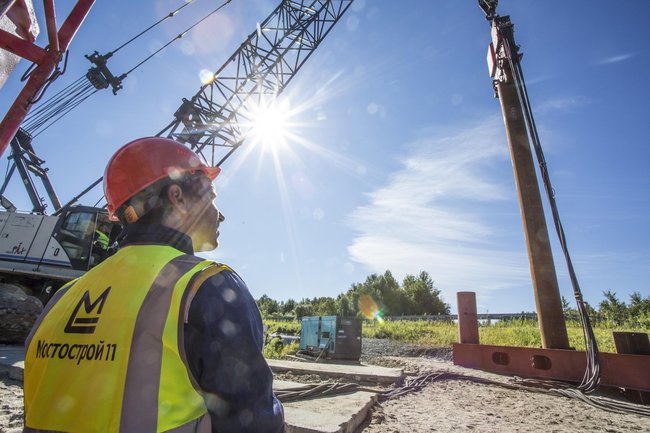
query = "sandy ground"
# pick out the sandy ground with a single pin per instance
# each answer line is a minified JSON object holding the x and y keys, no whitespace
{"x":11,"y":405}
{"x":466,"y":406}
{"x":442,"y":406}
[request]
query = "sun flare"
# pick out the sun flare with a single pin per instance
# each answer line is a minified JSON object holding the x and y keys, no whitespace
{"x":270,"y":124}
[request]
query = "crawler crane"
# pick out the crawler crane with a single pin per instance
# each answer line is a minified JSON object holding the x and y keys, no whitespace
{"x":40,"y":252}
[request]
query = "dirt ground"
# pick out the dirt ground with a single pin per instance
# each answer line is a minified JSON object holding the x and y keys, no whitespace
{"x":466,"y":406}
{"x":441,"y":406}
{"x":11,"y":405}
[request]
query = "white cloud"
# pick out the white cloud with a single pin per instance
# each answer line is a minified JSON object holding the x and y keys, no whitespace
{"x":434,"y":214}
{"x":352,"y":23}
{"x":562,"y":104}
{"x":616,"y":59}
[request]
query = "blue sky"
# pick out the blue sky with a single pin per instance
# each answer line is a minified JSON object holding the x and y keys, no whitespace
{"x":398,"y":158}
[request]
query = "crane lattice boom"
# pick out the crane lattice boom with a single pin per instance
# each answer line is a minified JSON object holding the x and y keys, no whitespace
{"x":261,"y":67}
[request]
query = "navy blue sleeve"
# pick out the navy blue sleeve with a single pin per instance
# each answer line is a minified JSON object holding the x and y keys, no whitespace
{"x":223,"y":345}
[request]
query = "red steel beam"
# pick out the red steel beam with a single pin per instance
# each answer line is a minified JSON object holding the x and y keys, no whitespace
{"x":49,"y":58}
{"x":467,"y":322}
{"x":21,"y":47}
{"x":73,"y":22}
{"x":50,"y":22}
{"x":619,"y":370}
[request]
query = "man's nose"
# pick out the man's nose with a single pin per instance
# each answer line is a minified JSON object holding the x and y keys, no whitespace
{"x":222,"y":218}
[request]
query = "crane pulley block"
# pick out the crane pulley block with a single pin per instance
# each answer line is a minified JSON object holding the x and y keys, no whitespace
{"x":190,"y":114}
{"x":100,"y":76}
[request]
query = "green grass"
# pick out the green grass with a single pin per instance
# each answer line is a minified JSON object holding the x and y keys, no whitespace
{"x":525,"y":333}
{"x":283,"y":327}
{"x":274,"y":349}
{"x":416,"y":332}
{"x":520,"y":333}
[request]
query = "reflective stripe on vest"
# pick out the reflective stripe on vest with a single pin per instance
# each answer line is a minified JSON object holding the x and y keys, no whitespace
{"x":105,"y":355}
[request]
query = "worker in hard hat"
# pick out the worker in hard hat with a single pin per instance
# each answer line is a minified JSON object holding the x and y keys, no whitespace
{"x":153,"y":339}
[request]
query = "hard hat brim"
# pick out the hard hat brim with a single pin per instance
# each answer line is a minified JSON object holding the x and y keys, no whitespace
{"x":212,"y":172}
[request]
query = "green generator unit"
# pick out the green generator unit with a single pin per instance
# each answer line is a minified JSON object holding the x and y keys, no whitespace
{"x":331,"y":337}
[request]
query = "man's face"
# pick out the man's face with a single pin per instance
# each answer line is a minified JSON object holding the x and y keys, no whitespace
{"x":204,"y":218}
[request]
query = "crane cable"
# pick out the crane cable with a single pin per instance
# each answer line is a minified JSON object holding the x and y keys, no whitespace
{"x":81,"y":89}
{"x":58,"y":106}
{"x":591,"y":378}
{"x":132,"y":69}
{"x":40,"y":91}
{"x":74,"y":94}
{"x":169,"y":15}
{"x":179,"y":36}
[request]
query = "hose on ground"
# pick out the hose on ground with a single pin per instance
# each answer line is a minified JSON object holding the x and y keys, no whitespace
{"x":417,"y":383}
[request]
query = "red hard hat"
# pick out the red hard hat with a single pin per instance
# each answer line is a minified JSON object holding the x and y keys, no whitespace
{"x":143,"y":162}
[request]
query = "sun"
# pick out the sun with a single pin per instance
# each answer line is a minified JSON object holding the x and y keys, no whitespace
{"x":270,"y":124}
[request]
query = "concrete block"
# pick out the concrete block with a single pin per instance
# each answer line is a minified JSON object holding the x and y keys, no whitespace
{"x":336,"y":414}
{"x":355,"y":373}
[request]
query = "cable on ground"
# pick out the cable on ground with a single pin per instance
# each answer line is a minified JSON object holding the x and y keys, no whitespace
{"x":417,"y":383}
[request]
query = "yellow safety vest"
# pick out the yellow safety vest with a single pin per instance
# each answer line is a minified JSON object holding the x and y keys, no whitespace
{"x":102,"y":239}
{"x":107,"y":354}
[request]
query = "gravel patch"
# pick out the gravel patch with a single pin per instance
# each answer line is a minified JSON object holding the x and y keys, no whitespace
{"x":384,"y":353}
{"x":11,"y":406}
{"x":374,"y":349}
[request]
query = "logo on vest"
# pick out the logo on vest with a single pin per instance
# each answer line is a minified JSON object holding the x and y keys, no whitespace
{"x":85,"y":322}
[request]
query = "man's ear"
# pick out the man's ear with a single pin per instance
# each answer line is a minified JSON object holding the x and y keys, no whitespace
{"x":177,"y":199}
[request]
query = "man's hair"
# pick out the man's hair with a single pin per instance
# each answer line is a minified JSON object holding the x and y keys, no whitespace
{"x":151,"y":205}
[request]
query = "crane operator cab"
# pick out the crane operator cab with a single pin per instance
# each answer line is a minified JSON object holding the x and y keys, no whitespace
{"x":86,"y":235}
{"x":40,"y":253}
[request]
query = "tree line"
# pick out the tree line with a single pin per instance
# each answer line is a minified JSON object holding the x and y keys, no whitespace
{"x":383,"y":295}
{"x":379,"y":295}
{"x":635,"y":313}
